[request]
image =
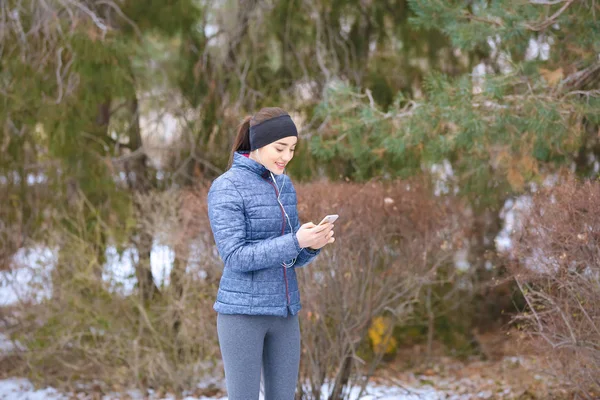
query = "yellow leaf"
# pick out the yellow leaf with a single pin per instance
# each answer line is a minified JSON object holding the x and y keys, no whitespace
{"x":377,"y":333}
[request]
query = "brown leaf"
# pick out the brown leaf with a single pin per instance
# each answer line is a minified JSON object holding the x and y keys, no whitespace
{"x":528,"y":165}
{"x":552,"y":77}
{"x":515,"y":179}
{"x":379,"y":152}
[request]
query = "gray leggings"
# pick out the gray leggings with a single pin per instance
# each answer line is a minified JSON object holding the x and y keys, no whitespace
{"x":250,"y":341}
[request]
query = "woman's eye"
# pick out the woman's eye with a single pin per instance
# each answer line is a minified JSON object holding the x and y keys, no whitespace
{"x":279,"y":150}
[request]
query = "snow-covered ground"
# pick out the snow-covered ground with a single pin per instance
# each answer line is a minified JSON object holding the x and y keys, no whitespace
{"x":22,"y":389}
{"x":17,"y":388}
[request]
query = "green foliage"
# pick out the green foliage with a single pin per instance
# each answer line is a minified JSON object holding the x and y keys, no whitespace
{"x":484,"y":135}
{"x":166,"y":17}
{"x":391,"y":93}
{"x":498,"y":131}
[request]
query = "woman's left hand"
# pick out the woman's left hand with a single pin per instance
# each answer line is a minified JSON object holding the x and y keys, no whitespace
{"x":327,"y":238}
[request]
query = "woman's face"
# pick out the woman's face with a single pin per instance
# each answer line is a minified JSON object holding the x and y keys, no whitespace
{"x":275,"y":156}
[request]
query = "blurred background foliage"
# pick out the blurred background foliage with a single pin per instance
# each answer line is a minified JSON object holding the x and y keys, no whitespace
{"x":104,"y":103}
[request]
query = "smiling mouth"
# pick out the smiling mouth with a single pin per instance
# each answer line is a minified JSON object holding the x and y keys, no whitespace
{"x":280,"y":165}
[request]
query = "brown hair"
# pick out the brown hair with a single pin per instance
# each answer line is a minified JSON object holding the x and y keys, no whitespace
{"x":242,"y":139}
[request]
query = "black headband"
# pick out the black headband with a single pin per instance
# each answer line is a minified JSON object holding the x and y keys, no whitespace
{"x":271,"y":130}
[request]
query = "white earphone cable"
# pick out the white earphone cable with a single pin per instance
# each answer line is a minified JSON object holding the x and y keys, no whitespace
{"x":286,"y":265}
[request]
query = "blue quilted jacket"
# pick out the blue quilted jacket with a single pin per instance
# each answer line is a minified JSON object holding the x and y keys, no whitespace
{"x":254,"y":239}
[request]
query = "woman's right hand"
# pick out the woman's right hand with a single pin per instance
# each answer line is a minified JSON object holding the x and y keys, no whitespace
{"x":315,"y":236}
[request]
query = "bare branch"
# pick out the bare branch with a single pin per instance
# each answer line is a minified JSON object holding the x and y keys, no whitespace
{"x":118,"y":10}
{"x":100,"y":24}
{"x":42,"y":45}
{"x":586,"y":93}
{"x":139,"y":152}
{"x":59,"y":75}
{"x":530,"y":26}
{"x":585,"y":78}
{"x":551,"y":20}
{"x":495,"y":21}
{"x":318,"y":45}
{"x":547,"y":2}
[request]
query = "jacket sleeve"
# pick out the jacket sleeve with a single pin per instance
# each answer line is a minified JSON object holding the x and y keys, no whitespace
{"x":228,"y":224}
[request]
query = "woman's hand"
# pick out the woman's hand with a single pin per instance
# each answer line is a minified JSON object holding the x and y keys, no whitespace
{"x":315,"y":236}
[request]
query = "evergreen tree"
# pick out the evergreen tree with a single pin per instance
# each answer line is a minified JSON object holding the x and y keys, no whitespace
{"x":520,"y":121}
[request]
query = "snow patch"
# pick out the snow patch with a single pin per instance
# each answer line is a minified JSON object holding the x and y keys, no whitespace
{"x":29,"y":279}
{"x":23,"y":389}
{"x":445,"y":180}
{"x":8,"y":346}
{"x":511,"y":214}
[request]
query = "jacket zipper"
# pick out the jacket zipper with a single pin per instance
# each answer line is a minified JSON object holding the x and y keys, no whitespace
{"x":287,"y":291}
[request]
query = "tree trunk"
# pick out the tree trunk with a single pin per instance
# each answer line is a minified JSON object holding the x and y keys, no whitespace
{"x":139,"y":182}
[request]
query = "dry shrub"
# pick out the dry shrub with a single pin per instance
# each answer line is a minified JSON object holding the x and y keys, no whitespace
{"x":390,"y":241}
{"x":113,"y":340}
{"x":557,"y":267}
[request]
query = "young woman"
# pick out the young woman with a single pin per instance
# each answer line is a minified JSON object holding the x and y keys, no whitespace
{"x":253,"y":216}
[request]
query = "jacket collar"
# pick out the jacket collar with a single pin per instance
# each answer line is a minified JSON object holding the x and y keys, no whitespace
{"x":242,"y":162}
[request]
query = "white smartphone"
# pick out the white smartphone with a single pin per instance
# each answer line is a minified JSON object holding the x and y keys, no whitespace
{"x":329,"y":218}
